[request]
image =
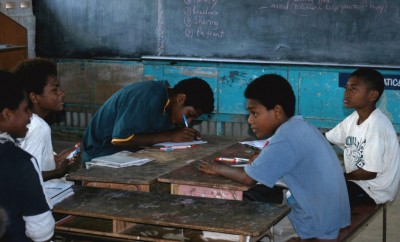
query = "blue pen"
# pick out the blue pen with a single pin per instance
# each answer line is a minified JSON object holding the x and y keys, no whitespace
{"x":185,"y":120}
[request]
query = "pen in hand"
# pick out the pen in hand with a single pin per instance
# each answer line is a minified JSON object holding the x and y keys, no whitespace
{"x":185,"y":120}
{"x":197,"y":137}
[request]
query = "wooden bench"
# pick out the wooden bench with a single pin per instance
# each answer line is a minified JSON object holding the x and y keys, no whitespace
{"x":361,"y":215}
{"x":101,"y":213}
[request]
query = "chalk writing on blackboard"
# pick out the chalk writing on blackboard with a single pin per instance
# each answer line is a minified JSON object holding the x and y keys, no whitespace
{"x":307,"y":7}
{"x":160,"y":28}
{"x":201,"y":19}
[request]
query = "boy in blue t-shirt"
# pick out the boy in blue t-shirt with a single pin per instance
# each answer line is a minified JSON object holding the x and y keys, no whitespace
{"x":296,"y":153}
{"x":146,"y":113}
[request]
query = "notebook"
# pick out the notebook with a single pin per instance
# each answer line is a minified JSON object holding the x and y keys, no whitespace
{"x":118,"y":160}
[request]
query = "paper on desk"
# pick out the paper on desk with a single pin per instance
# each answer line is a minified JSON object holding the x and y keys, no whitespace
{"x":170,"y":144}
{"x":118,"y":160}
{"x":258,"y":144}
{"x":220,"y":236}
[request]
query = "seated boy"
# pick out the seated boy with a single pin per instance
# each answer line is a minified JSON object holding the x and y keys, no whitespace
{"x":370,"y":144}
{"x":146,"y":113}
{"x":317,"y":189}
{"x":39,"y":77}
{"x":21,"y":191}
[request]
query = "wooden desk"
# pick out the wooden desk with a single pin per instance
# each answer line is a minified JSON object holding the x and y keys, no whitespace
{"x":144,"y":178}
{"x":188,"y":180}
{"x":110,"y":213}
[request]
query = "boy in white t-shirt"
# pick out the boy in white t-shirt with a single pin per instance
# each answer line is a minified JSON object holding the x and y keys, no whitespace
{"x":370,"y":143}
{"x":39,"y":78}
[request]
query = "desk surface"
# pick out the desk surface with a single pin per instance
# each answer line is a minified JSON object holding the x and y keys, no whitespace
{"x":190,"y":174}
{"x":217,"y":215}
{"x":164,"y":162}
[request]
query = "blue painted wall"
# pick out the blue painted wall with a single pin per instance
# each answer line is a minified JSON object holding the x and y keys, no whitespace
{"x":88,"y":83}
{"x":319,"y":97}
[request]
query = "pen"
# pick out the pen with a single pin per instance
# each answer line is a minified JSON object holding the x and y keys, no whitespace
{"x":233,"y":160}
{"x":177,"y":147}
{"x":185,"y":120}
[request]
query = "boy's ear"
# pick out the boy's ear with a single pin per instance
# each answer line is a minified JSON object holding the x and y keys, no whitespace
{"x":279,"y":112}
{"x":180,"y":98}
{"x":7,"y":114}
{"x":33,"y":97}
{"x":373,"y":95}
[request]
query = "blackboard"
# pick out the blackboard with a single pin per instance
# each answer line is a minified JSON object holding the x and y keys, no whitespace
{"x":95,"y":28}
{"x":337,"y":32}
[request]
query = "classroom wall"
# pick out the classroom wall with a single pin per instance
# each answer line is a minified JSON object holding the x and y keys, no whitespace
{"x":88,"y":83}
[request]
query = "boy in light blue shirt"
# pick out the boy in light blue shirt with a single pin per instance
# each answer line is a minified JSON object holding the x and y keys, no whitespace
{"x":296,"y":153}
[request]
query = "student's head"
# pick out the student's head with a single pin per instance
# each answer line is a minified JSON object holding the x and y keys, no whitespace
{"x":364,"y":87}
{"x":40,"y":81}
{"x":270,"y":102}
{"x":14,"y":112}
{"x":191,"y":97}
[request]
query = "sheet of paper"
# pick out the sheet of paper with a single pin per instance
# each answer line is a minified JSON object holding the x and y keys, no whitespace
{"x":171,"y":144}
{"x":258,"y":144}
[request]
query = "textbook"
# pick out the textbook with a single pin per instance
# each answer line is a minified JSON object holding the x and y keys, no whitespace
{"x":118,"y":160}
{"x":57,"y":190}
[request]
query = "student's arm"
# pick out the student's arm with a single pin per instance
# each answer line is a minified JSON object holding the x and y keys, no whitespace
{"x":60,"y":171}
{"x":62,"y":164}
{"x":234,"y":173}
{"x":177,"y":135}
{"x":40,"y":227}
{"x":360,"y":174}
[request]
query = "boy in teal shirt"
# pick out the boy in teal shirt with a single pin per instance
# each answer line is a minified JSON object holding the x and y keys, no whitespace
{"x":146,"y":113}
{"x":309,"y":167}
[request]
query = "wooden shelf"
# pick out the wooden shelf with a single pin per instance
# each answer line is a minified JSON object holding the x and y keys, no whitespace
{"x":15,"y":39}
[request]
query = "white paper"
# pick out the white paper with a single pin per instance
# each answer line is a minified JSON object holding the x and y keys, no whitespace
{"x":171,"y":144}
{"x":220,"y":236}
{"x":258,"y":144}
{"x":117,"y":160}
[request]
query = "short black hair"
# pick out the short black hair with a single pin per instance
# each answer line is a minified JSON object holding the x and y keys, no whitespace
{"x":11,"y":91}
{"x":372,"y":78}
{"x":34,"y":74}
{"x":271,"y":90}
{"x":198,"y":94}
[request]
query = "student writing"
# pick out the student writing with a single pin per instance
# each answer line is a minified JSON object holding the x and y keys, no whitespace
{"x":146,"y":113}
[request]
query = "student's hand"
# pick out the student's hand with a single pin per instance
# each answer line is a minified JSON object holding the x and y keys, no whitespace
{"x":209,"y":167}
{"x":62,"y":168}
{"x":253,"y":157}
{"x":63,"y":155}
{"x":184,"y":135}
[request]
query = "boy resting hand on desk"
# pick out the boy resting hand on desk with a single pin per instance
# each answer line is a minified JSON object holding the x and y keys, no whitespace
{"x":310,"y":167}
{"x":369,"y":141}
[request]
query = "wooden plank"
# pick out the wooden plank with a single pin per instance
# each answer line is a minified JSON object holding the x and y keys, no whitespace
{"x":217,"y":215}
{"x":148,"y":174}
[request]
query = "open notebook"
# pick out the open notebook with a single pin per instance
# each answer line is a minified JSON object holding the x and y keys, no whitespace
{"x":118,"y":160}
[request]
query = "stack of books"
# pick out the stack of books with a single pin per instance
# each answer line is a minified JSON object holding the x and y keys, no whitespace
{"x":58,"y":190}
{"x":118,"y":160}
